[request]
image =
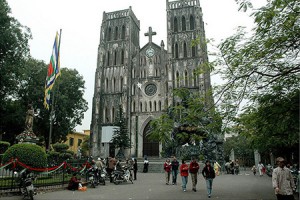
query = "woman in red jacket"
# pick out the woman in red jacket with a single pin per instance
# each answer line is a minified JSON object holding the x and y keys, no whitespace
{"x":167,"y":168}
{"x":184,"y":172}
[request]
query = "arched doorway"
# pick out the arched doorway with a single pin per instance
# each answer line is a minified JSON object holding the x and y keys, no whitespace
{"x":150,"y":147}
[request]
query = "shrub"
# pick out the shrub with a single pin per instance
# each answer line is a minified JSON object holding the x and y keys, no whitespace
{"x":3,"y":146}
{"x":60,"y":147}
{"x":29,"y":154}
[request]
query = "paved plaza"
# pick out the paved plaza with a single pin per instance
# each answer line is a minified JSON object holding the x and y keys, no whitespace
{"x":153,"y":186}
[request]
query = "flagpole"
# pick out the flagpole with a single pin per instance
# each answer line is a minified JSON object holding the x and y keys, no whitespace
{"x":52,"y":113}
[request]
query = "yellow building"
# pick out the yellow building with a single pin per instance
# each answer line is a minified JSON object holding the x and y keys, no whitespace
{"x":74,"y":140}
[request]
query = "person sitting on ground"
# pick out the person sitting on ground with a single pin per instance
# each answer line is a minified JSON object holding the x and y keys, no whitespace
{"x":73,"y":183}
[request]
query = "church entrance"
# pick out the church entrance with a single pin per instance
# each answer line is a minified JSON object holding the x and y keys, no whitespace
{"x":150,"y":147}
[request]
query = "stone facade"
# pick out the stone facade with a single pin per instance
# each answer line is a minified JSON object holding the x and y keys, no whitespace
{"x":141,"y":79}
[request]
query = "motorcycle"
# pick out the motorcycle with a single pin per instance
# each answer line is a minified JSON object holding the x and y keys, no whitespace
{"x":122,"y":175}
{"x":102,"y":176}
{"x":26,"y":184}
{"x":92,"y":176}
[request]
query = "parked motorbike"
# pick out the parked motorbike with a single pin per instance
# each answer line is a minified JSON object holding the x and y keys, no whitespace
{"x":26,"y":184}
{"x":92,"y":176}
{"x":101,"y":176}
{"x":122,"y":175}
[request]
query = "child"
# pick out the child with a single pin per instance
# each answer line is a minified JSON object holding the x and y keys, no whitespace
{"x":254,"y":170}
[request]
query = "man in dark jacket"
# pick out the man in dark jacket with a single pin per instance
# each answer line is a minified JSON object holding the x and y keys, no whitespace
{"x":175,"y":165}
{"x":194,"y":168}
{"x":209,"y":174}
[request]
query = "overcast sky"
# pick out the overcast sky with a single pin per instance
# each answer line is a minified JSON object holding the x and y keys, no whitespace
{"x":80,"y":21}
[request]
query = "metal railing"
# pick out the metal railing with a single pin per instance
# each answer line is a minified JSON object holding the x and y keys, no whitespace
{"x":10,"y":182}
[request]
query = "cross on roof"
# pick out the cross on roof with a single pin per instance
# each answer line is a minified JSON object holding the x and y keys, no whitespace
{"x":150,"y":33}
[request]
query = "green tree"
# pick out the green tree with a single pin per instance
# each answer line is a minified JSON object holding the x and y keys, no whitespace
{"x":14,"y":50}
{"x":273,"y":124}
{"x":254,"y":64}
{"x":120,"y":137}
{"x":68,"y":109}
{"x":263,"y":68}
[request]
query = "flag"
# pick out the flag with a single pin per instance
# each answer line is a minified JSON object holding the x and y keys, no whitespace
{"x":53,"y":71}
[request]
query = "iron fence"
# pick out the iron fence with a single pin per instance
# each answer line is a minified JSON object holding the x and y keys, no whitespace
{"x":10,"y":181}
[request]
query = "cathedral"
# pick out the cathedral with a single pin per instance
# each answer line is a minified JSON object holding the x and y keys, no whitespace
{"x":141,"y":79}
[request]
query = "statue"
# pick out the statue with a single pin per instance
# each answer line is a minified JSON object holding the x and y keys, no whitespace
{"x":27,"y":136}
{"x":29,"y":118}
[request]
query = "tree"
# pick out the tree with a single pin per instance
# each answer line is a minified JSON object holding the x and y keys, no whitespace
{"x":68,"y":109}
{"x":263,"y":68}
{"x":272,"y":126}
{"x":255,"y":64}
{"x":120,"y":137}
{"x":13,"y":50}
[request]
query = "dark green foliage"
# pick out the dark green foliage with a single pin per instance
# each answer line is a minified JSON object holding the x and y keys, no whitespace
{"x":29,"y":154}
{"x":60,"y":147}
{"x":4,"y":146}
{"x":121,"y":136}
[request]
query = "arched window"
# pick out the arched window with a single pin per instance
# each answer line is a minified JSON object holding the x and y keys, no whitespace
{"x":177,"y":80}
{"x":108,"y":58}
{"x":193,"y":51}
{"x":167,"y":88}
{"x":109,"y":34}
{"x":155,"y":106}
{"x":186,"y":81}
{"x":192,"y":22}
{"x":133,"y":73}
{"x":103,"y":60}
{"x":121,"y":84}
{"x":133,"y":89}
{"x":145,"y":107}
{"x":173,"y":52}
{"x":106,"y":85}
{"x":122,"y":57}
{"x":195,"y":78}
{"x":166,"y":104}
{"x":176,"y":50}
{"x":184,"y":50}
{"x":115,"y":58}
{"x":114,"y":84}
{"x":150,"y":106}
{"x":133,"y":106}
{"x":141,"y":107}
{"x":113,"y":114}
{"x":159,"y":106}
{"x":166,"y":68}
{"x":123,"y":32}
{"x":183,"y":23}
{"x":175,"y":24}
{"x":106,"y":119}
{"x":116,"y":33}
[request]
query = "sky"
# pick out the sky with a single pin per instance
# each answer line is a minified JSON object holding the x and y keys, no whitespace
{"x":80,"y":21}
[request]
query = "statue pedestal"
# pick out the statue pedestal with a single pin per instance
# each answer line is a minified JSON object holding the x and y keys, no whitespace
{"x":27,"y":137}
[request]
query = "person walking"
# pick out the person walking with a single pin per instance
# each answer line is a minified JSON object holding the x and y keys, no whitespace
{"x":260,"y":167}
{"x":194,"y":168}
{"x":209,"y":174}
{"x":112,"y":162}
{"x":184,"y":173}
{"x":254,"y":170}
{"x":282,"y":181}
{"x":175,"y":165}
{"x":146,"y":164}
{"x":167,"y":168}
{"x":135,"y":168}
{"x":217,"y":167}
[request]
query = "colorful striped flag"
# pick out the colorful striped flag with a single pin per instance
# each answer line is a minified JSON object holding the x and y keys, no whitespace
{"x":53,"y":71}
